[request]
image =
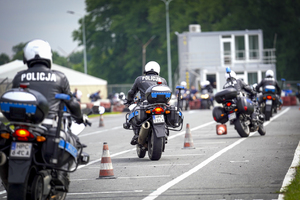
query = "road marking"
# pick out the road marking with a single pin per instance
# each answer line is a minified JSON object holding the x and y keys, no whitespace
{"x":241,"y":161}
{"x":183,"y":176}
{"x":108,"y":192}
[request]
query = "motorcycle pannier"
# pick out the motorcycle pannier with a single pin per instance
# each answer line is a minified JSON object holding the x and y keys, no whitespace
{"x":225,"y":94}
{"x":174,"y":118}
{"x":220,"y":115}
{"x":24,"y":105}
{"x":158,"y":94}
{"x":138,"y":115}
{"x":245,"y":105}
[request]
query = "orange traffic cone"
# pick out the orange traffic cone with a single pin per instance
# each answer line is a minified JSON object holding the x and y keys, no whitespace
{"x":188,"y":141}
{"x":106,"y":168}
{"x":101,"y":121}
{"x":221,"y":129}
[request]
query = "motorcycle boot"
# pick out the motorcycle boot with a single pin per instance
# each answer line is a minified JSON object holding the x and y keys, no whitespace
{"x":134,"y":139}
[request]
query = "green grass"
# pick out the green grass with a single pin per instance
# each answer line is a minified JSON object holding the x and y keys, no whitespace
{"x":292,"y":191}
{"x":107,"y":113}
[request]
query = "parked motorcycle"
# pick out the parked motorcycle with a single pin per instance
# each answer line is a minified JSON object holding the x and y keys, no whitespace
{"x":238,"y":109}
{"x":154,"y":118}
{"x":37,"y":154}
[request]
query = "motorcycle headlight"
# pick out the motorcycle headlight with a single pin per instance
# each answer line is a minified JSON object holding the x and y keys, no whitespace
{"x":204,"y":96}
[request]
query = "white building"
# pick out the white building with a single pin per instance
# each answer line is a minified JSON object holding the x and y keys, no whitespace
{"x":205,"y":56}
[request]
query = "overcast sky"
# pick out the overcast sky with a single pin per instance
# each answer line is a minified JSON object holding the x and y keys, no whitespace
{"x":24,"y":20}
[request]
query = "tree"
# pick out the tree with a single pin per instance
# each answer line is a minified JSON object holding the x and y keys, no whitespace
{"x":4,"y":58}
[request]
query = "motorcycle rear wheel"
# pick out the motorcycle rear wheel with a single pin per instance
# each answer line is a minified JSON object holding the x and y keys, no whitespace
{"x":155,"y":146}
{"x":140,"y":151}
{"x":241,"y":128}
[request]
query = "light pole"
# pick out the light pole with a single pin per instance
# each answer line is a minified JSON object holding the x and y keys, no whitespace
{"x":168,"y":42}
{"x":144,"y":49}
{"x":83,"y":38}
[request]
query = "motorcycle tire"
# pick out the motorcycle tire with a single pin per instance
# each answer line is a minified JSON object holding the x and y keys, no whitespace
{"x":37,"y":188}
{"x":241,"y":128}
{"x":261,"y":130}
{"x":155,"y":146}
{"x":140,"y":151}
{"x":204,"y":105}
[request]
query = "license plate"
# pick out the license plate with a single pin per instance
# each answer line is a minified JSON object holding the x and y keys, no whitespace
{"x":231,"y":116}
{"x":20,"y":149}
{"x":158,"y":119}
{"x":269,"y":102}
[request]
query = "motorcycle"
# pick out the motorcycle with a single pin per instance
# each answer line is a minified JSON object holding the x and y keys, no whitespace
{"x":238,"y":109}
{"x":36,"y":153}
{"x":154,"y":118}
{"x":205,"y":98}
{"x":269,"y":101}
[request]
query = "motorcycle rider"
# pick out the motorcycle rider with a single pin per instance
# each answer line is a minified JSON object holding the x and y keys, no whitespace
{"x":207,"y":86}
{"x":239,"y":85}
{"x":38,"y":57}
{"x":141,"y":84}
{"x":269,"y":80}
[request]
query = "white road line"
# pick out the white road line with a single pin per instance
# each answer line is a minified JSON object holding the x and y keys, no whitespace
{"x":168,"y":185}
{"x":108,"y":192}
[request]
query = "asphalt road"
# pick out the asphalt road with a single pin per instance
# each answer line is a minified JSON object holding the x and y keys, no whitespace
{"x":219,"y":167}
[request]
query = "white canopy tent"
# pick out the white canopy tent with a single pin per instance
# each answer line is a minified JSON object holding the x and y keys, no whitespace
{"x":87,"y":84}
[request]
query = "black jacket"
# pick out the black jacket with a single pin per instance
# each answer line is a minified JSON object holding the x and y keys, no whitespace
{"x":239,"y":85}
{"x":269,"y":81}
{"x":142,"y":83}
{"x":48,"y":82}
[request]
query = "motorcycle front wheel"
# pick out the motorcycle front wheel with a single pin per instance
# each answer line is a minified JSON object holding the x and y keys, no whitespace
{"x":155,"y":146}
{"x":261,"y":130}
{"x":242,"y":129}
{"x":140,"y":151}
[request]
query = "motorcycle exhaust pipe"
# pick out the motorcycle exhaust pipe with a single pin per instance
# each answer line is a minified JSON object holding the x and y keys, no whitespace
{"x":2,"y":158}
{"x":144,"y":132}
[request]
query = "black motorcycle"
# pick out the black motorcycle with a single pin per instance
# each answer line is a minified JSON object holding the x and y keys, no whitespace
{"x":36,"y":153}
{"x":269,"y":101}
{"x":154,"y":118}
{"x":206,"y":99}
{"x":239,"y":110}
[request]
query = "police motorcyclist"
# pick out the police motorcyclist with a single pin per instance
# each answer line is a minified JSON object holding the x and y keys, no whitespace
{"x":38,"y":57}
{"x":239,"y":85}
{"x":207,"y":86}
{"x":269,"y":80}
{"x":185,"y":94}
{"x":141,"y":84}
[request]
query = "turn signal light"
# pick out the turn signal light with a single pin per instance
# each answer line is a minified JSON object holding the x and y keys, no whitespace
{"x":222,"y":115}
{"x":269,"y":97}
{"x":168,"y":112}
{"x":148,"y":111}
{"x":158,"y":110}
{"x":40,"y":139}
{"x":235,"y":110}
{"x":5,"y":135}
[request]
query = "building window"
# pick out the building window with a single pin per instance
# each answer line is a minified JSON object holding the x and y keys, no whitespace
{"x":240,"y":48}
{"x":253,"y":47}
{"x":252,"y":78}
{"x":263,"y":75}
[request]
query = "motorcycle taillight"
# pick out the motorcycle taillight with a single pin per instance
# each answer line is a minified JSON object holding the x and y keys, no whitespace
{"x":158,"y":110}
{"x":23,"y":134}
{"x":228,"y":104}
{"x":269,"y":97}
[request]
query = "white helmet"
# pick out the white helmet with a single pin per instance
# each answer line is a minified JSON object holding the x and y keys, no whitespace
{"x":152,"y":66}
{"x":207,"y":83}
{"x":37,"y":51}
{"x":269,"y":73}
{"x":232,"y":75}
{"x":183,"y":83}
